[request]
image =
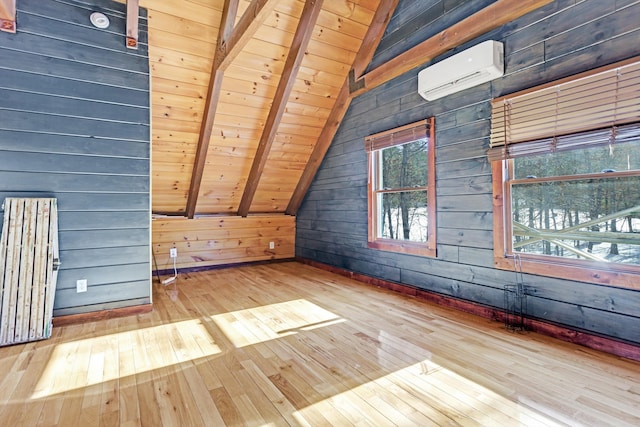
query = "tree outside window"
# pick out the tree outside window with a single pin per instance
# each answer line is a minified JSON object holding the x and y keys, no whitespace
{"x":581,"y":204}
{"x":402,"y":189}
{"x":566,"y":177}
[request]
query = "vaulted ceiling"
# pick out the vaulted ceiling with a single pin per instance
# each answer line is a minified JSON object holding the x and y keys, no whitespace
{"x":247,"y":95}
{"x":237,"y":133}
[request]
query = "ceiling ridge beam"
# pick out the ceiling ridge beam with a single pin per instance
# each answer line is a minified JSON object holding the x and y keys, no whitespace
{"x":8,"y":16}
{"x":370,"y":42}
{"x":489,"y":18}
{"x":231,"y":40}
{"x":306,"y":24}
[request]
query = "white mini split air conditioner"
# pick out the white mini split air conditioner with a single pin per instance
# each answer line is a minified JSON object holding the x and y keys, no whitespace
{"x":478,"y":64}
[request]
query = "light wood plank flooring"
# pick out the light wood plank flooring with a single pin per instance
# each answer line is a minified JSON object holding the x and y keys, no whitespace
{"x":287,"y":344}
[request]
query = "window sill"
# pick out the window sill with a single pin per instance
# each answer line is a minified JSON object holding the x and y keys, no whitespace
{"x":410,"y":248}
{"x":597,"y":273}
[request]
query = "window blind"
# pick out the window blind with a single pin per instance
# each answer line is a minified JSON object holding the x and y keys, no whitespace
{"x":607,"y":97}
{"x":398,"y":136}
{"x":613,"y":135}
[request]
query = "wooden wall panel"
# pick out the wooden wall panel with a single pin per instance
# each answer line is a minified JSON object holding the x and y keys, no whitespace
{"x":208,"y":13}
{"x":184,"y":26}
{"x":52,"y":85}
{"x":553,"y":42}
{"x":413,"y":23}
{"x":75,"y":125}
{"x":222,"y":240}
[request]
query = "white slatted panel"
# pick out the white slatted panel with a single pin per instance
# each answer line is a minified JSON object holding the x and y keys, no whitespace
{"x":597,"y":99}
{"x":28,"y":252}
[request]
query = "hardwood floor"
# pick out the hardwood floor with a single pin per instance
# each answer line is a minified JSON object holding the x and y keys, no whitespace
{"x":287,"y":344}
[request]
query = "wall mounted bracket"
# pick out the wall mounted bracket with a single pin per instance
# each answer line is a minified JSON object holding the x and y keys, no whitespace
{"x":132,"y":24}
{"x":8,"y":16}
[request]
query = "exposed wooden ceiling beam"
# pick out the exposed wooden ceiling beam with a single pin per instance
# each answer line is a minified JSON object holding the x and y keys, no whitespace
{"x":8,"y":16}
{"x":491,"y":17}
{"x":229,"y":12}
{"x":301,"y":39}
{"x":230,"y":41}
{"x":132,"y":24}
{"x":257,"y":12}
{"x":363,"y":58}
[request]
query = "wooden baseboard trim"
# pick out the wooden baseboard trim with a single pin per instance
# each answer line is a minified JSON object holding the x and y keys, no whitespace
{"x":71,"y":319}
{"x":597,"y":342}
{"x":169,"y":271}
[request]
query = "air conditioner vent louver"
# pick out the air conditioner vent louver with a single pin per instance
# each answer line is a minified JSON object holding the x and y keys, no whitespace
{"x":476,"y":65}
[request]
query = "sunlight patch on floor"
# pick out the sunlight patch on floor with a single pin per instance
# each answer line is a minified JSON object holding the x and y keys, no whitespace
{"x":268,"y":322}
{"x":81,"y":363}
{"x":426,"y":393}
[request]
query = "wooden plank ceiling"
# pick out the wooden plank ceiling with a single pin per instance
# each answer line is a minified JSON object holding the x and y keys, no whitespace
{"x":247,"y":95}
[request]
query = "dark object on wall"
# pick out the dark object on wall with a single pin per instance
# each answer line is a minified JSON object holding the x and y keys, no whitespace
{"x":515,"y":302}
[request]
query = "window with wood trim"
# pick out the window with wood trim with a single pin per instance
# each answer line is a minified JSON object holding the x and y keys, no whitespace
{"x":566,"y":177}
{"x":402,"y":197}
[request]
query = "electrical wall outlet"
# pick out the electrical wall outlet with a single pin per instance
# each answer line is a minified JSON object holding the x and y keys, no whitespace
{"x":272,"y":245}
{"x":173,"y":252}
{"x":81,"y":285}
